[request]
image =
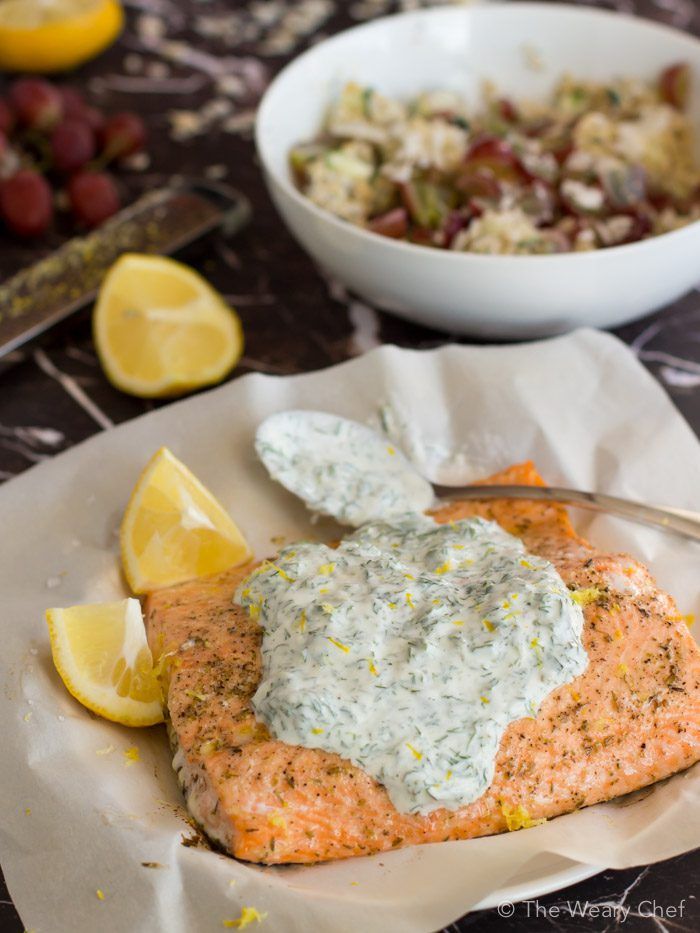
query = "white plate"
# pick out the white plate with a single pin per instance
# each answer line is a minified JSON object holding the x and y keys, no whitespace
{"x":543,"y":875}
{"x":93,"y":820}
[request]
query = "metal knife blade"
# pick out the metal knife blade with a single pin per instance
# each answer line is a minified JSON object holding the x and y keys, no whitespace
{"x":162,"y":221}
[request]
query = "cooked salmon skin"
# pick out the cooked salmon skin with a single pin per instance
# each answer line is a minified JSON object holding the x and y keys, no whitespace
{"x":632,"y":718}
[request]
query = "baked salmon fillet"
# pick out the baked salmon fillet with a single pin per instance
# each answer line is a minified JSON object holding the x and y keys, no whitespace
{"x":632,"y":718}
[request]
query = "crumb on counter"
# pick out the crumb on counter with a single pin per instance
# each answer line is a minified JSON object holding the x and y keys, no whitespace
{"x":248,"y":915}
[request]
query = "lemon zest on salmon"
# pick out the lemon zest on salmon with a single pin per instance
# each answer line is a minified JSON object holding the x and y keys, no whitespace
{"x":276,"y":819}
{"x":458,"y":622}
{"x":372,"y":668}
{"x":414,"y":751}
{"x":391,"y":451}
{"x":318,"y":731}
{"x":689,"y":619}
{"x":193,"y":695}
{"x":409,"y":600}
{"x":488,"y":625}
{"x":526,"y":564}
{"x":518,"y":818}
{"x":484,"y":700}
{"x":326,"y":569}
{"x":444,"y":568}
{"x":302,"y":620}
{"x":585,"y":596}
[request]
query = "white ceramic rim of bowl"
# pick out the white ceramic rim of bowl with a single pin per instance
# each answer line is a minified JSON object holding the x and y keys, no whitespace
{"x":411,"y":249}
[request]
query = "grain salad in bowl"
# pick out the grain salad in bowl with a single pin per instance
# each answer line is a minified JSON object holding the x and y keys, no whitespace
{"x":592,"y":166}
{"x":551,"y":202}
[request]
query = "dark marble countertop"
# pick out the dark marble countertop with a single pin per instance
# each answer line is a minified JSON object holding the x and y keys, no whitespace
{"x":195,"y":69}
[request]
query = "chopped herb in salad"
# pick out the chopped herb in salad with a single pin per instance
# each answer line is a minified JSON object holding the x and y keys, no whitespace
{"x":595,"y":165}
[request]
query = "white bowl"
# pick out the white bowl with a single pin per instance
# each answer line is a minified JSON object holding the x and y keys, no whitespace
{"x":456,"y":48}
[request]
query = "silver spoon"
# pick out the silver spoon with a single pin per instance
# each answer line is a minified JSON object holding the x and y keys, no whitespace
{"x":685,"y":524}
{"x":341,"y":468}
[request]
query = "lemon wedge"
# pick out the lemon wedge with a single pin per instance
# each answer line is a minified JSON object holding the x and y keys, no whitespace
{"x":161,"y":329}
{"x":102,"y":655}
{"x":54,"y":35}
{"x":174,"y":529}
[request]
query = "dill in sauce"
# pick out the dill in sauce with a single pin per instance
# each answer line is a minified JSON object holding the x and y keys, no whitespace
{"x":410,"y":648}
{"x":339,"y":467}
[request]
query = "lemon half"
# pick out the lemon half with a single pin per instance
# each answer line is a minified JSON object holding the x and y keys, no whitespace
{"x":161,"y":329}
{"x":43,"y":36}
{"x":174,"y":529}
{"x":102,"y":655}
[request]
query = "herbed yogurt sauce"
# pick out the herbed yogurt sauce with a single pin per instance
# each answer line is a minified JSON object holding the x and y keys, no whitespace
{"x":339,"y":467}
{"x":409,"y":648}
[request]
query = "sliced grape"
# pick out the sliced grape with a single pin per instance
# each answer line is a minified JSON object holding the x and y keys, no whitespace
{"x":392,"y":223}
{"x":457,"y":221}
{"x":507,"y":110}
{"x":478,"y":182}
{"x":674,"y":85}
{"x":494,"y":155}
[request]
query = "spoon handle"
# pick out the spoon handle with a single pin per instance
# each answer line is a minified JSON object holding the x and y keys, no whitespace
{"x":684,"y":524}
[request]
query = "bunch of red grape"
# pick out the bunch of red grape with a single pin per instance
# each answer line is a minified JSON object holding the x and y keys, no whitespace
{"x":51,"y":138}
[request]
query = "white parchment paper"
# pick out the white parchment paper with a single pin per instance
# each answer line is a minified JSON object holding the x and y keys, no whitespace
{"x":77,"y":815}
